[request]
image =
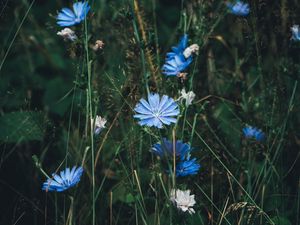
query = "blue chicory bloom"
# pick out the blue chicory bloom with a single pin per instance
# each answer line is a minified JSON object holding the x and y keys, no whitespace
{"x":67,"y":17}
{"x":295,"y":33}
{"x":165,"y":149}
{"x":187,"y":167}
{"x":238,"y":8}
{"x":253,"y":132}
{"x":156,"y":112}
{"x":175,"y":61}
{"x":67,"y":179}
{"x":184,"y":165}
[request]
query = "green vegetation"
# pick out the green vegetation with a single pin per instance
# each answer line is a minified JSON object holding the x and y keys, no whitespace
{"x":246,"y":73}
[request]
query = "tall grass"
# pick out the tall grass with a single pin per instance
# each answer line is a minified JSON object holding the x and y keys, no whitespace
{"x":246,"y":72}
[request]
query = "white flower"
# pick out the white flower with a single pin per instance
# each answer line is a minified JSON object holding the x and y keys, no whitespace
{"x":189,"y":97}
{"x":295,"y":33}
{"x":99,"y":124}
{"x":183,"y":200}
{"x":67,"y":34}
{"x":192,"y":49}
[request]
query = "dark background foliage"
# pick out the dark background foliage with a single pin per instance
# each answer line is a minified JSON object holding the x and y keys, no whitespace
{"x":246,"y":72}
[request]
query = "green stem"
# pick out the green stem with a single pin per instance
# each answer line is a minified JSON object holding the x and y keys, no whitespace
{"x":184,"y":118}
{"x":90,"y":113}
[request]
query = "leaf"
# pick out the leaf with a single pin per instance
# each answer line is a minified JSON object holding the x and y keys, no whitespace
{"x":22,"y":126}
{"x":121,"y":194}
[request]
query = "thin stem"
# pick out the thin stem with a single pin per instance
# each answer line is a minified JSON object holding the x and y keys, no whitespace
{"x":90,"y":116}
{"x":184,"y":118}
{"x":174,"y":158}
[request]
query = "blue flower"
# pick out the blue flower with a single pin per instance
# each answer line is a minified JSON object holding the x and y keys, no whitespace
{"x":175,"y":61}
{"x":156,"y":111}
{"x":187,"y":167}
{"x":184,"y":166}
{"x":295,"y":33}
{"x":165,"y":149}
{"x":253,"y":132}
{"x":67,"y":179}
{"x":238,"y":8}
{"x":67,"y":17}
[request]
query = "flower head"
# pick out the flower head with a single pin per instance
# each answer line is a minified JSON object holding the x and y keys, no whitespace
{"x":183,"y":200}
{"x":184,"y":165}
{"x":295,"y":33}
{"x":98,"y":45}
{"x":165,"y":149}
{"x":67,"y":17}
{"x":67,"y":34}
{"x":156,"y":111}
{"x":238,"y":8}
{"x":188,"y":96}
{"x":187,"y":167}
{"x":99,"y":124}
{"x":253,"y":132}
{"x":180,"y":57}
{"x":67,"y":179}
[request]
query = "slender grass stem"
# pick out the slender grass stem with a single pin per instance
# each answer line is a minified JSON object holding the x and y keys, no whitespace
{"x":90,"y":117}
{"x":232,"y":176}
{"x":16,"y":34}
{"x":183,"y":125}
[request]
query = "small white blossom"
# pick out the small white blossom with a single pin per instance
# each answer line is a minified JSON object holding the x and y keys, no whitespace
{"x":295,"y":33}
{"x":99,"y":124}
{"x":67,"y":34}
{"x":188,"y":96}
{"x":183,"y":200}
{"x":192,"y":49}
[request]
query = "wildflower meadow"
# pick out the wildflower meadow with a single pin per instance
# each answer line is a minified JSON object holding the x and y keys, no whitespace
{"x":149,"y":112}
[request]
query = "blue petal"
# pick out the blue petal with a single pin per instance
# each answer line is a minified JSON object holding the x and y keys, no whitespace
{"x":86,"y":9}
{"x":239,"y":8}
{"x":171,"y":108}
{"x":145,"y":104}
{"x":67,"y":175}
{"x":72,"y":173}
{"x":68,"y":178}
{"x":64,"y":17}
{"x":68,"y":18}
{"x":168,"y":120}
{"x":143,"y":117}
{"x":58,"y":179}
{"x":151,"y":122}
{"x":157,"y":122}
{"x":140,"y":108}
{"x":68,"y":12}
{"x":150,"y":112}
{"x":78,"y":7}
{"x":183,"y":42}
{"x":156,"y":149}
{"x":253,"y":132}
{"x":165,"y":103}
{"x":65,"y":23}
{"x":188,"y":167}
{"x":175,"y":61}
{"x":153,"y":100}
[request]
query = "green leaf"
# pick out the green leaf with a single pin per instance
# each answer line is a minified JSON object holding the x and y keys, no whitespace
{"x":121,"y":194}
{"x":22,"y":126}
